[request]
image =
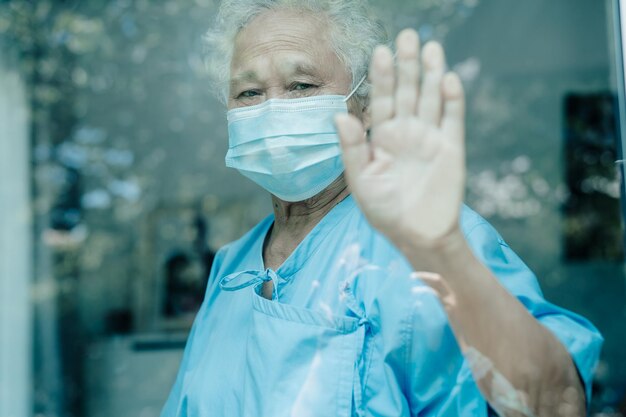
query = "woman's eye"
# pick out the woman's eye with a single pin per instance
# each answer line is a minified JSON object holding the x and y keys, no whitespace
{"x":248,"y":94}
{"x":301,"y":86}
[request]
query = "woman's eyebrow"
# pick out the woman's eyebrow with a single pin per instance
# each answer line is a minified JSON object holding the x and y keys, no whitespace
{"x":298,"y":68}
{"x":246,"y":76}
{"x":301,"y":68}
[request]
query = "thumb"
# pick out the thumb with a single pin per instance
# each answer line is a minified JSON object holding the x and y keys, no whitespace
{"x":355,"y":149}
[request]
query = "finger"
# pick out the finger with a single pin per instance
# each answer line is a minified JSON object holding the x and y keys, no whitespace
{"x":433,"y":63}
{"x":354,"y":146}
{"x":382,"y":79}
{"x":453,"y":119}
{"x":407,"y":45}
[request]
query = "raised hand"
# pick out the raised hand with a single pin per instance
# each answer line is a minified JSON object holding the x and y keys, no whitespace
{"x":408,"y":178}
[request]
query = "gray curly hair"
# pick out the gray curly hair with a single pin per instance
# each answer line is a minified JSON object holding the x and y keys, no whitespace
{"x":355,"y":32}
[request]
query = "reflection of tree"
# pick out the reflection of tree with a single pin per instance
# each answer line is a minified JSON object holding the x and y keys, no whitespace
{"x":516,"y":192}
{"x":434,"y":19}
{"x":26,"y":26}
{"x":101,"y":78}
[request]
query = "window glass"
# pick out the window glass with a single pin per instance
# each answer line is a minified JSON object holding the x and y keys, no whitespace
{"x":112,"y":153}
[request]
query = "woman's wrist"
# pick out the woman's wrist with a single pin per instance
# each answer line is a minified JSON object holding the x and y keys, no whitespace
{"x":434,"y":255}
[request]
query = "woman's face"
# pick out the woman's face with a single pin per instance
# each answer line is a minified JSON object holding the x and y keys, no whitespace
{"x":285,"y":54}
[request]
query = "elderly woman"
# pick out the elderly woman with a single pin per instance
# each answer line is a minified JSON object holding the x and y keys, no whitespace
{"x":371,"y":290}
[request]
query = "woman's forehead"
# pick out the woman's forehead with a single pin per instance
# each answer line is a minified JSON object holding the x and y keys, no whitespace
{"x":297,"y":39}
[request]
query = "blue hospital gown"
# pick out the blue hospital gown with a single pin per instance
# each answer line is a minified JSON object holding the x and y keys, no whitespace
{"x":349,"y":332}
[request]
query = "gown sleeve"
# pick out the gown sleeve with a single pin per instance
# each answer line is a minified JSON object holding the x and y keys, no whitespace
{"x":581,"y":339}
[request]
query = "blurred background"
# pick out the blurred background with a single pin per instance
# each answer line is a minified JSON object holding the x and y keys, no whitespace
{"x":114,"y":196}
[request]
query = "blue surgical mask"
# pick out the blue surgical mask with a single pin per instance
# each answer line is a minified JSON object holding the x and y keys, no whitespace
{"x":290,"y":147}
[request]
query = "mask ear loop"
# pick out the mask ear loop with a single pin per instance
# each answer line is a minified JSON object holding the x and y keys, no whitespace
{"x":395,"y":55}
{"x":366,"y":134}
{"x":355,"y":88}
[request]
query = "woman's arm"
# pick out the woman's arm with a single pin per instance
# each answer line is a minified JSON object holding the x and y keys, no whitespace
{"x":408,"y":180}
{"x":518,"y":364}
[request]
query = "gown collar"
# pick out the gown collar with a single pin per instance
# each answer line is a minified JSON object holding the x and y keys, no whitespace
{"x":295,"y":261}
{"x":311,"y":242}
